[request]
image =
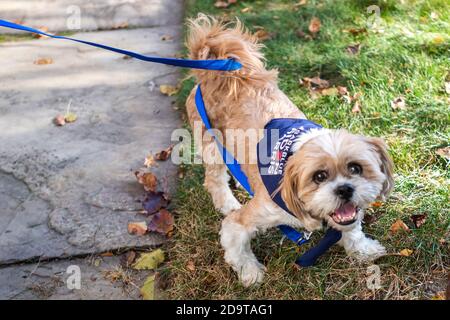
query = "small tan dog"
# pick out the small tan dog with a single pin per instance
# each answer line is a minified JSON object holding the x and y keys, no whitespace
{"x":331,"y":176}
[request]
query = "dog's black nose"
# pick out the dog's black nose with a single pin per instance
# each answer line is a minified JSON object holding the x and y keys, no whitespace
{"x":345,"y":191}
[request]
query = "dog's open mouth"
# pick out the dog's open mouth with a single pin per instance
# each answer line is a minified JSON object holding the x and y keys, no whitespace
{"x":345,"y":214}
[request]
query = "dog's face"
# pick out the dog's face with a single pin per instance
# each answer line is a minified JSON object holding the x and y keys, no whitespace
{"x":334,"y":176}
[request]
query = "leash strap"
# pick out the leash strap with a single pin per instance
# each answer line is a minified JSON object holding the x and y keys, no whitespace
{"x":221,"y":65}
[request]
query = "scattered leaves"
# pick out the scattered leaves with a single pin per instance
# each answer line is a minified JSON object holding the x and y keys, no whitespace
{"x":59,"y":120}
{"x":444,"y":152}
{"x":148,"y":289}
{"x":190,"y":265}
{"x":43,"y":61}
{"x":155,"y":201}
{"x":314,"y":25}
{"x":398,"y":103}
{"x":398,"y":225}
{"x":163,"y":155}
{"x":418,"y":219}
{"x":137,"y":228}
{"x":149,"y":260}
{"x":168,"y":90}
{"x":315,"y":82}
{"x":162,"y":222}
{"x":147,"y":179}
{"x":406,"y":252}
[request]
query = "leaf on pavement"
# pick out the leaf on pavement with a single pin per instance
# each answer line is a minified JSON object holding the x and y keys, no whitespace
{"x":148,"y":289}
{"x":162,"y":222}
{"x":43,"y":61}
{"x":147,"y":179}
{"x":70,"y":117}
{"x":163,"y":155}
{"x":149,"y":260}
{"x":128,"y":259}
{"x":155,"y":201}
{"x":138,"y":228}
{"x":59,"y":120}
{"x":168,"y":90}
{"x":149,"y":161}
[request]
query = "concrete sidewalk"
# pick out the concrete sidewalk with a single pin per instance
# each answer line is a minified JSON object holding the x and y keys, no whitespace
{"x":69,"y":191}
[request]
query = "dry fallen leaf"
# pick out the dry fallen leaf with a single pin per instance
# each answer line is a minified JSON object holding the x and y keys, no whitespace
{"x":163,"y":155}
{"x":376,"y":204}
{"x":356,"y":107}
{"x":342,"y":90}
{"x":418,"y":219}
{"x":263,"y":35}
{"x":398,"y":225}
{"x":162,"y":222}
{"x":147,"y":179}
{"x":369,"y":219}
{"x":314,"y":25}
{"x":168,"y":90}
{"x":70,"y":117}
{"x":398,"y":103}
{"x":300,"y":3}
{"x":137,"y":228}
{"x":149,"y":260}
{"x":59,"y":120}
{"x":444,"y":152}
{"x":406,"y":252}
{"x":154,"y":202}
{"x":246,"y":9}
{"x":43,"y":61}
{"x":148,"y":289}
{"x":224,"y":4}
{"x":190,"y":265}
{"x":122,"y":25}
{"x":128,"y":259}
{"x":303,"y":35}
{"x":354,"y":49}
{"x":149,"y":161}
{"x":315,"y":82}
{"x":166,"y":37}
{"x":329,"y":91}
{"x":41,"y":36}
{"x":355,"y":31}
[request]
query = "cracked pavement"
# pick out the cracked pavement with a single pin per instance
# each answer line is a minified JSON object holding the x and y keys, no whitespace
{"x":70,"y":191}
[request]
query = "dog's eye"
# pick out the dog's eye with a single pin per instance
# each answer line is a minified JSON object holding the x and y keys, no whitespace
{"x":354,"y":168}
{"x":320,"y":176}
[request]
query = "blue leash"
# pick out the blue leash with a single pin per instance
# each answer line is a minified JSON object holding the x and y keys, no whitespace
{"x":331,"y":236}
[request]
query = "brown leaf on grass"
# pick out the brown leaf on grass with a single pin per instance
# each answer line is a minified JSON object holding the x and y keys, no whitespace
{"x":163,"y":155}
{"x":300,"y":3}
{"x":154,"y":202}
{"x":376,"y":204}
{"x":59,"y":120}
{"x":303,"y":35}
{"x":444,"y":152}
{"x":398,"y":225}
{"x":263,"y":35}
{"x":315,"y":82}
{"x":43,"y":61}
{"x":147,"y":179}
{"x":149,"y":161}
{"x":406,"y":252}
{"x":353,"y":49}
{"x":398,"y":103}
{"x":137,"y":228}
{"x":224,"y":4}
{"x":314,"y":25}
{"x":190,"y":266}
{"x":342,"y":90}
{"x":162,"y":222}
{"x":168,"y":90}
{"x":333,"y":91}
{"x":369,"y":219}
{"x":418,"y":219}
{"x":355,"y":31}
{"x":356,"y":107}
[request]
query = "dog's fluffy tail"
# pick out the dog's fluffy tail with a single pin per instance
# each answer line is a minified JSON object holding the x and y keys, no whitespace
{"x":209,"y":38}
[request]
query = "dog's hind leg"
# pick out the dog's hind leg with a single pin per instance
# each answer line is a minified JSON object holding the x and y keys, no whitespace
{"x":216,"y":182}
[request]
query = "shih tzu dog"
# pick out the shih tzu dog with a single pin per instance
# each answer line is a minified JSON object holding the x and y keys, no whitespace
{"x":312,"y":176}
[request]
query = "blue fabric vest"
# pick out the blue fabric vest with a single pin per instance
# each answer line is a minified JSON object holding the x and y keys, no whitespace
{"x":274,"y":150}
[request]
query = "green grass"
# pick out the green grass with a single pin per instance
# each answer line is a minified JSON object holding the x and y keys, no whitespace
{"x":410,"y":58}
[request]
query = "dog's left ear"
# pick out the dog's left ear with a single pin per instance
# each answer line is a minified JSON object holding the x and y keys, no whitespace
{"x":386,"y":166}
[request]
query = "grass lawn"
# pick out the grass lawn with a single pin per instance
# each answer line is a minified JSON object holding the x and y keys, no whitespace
{"x":406,"y":55}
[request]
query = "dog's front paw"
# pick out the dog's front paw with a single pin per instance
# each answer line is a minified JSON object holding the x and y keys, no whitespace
{"x":251,"y":273}
{"x":367,"y":250}
{"x":231,"y":204}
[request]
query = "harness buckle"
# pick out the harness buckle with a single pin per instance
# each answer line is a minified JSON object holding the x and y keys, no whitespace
{"x":305,"y":236}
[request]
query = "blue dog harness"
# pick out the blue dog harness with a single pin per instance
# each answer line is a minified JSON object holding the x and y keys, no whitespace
{"x":287,"y":128}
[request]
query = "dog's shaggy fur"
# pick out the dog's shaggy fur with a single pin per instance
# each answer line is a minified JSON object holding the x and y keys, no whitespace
{"x":323,"y":163}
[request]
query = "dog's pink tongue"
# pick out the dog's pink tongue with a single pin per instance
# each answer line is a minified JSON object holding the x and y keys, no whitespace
{"x":347,"y":210}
